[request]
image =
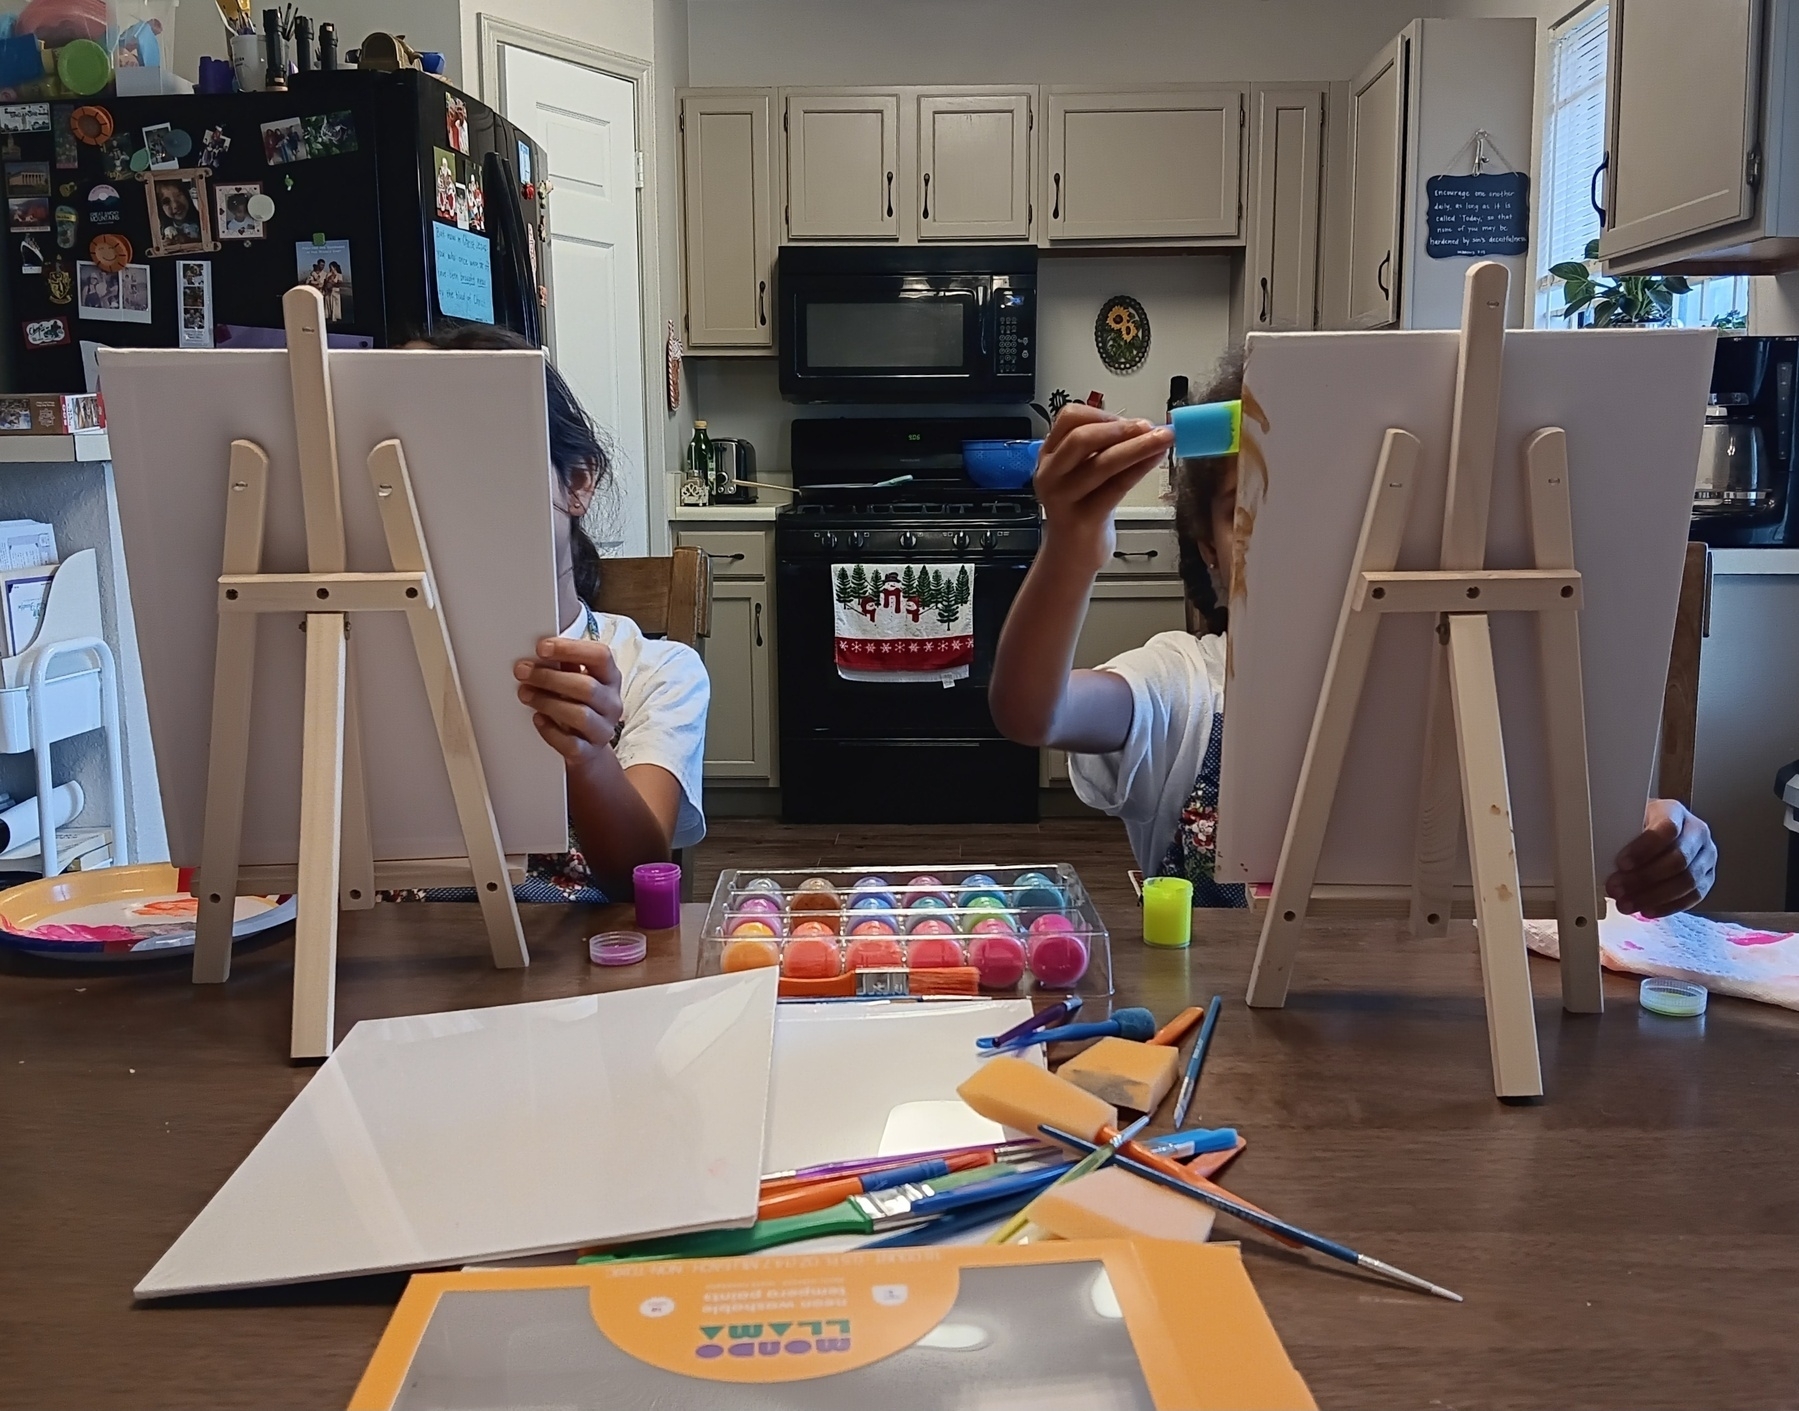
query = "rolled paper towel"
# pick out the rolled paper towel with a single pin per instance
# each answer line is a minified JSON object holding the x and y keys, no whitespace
{"x":1208,"y":429}
{"x":18,"y":825}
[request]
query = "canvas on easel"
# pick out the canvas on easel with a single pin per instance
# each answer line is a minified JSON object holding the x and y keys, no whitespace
{"x":404,"y":496}
{"x":1344,"y":476}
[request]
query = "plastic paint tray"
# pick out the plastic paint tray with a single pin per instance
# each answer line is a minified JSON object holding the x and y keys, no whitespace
{"x":902,"y":897}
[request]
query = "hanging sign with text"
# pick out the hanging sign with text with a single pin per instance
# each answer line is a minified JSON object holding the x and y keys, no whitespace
{"x":1477,"y":215}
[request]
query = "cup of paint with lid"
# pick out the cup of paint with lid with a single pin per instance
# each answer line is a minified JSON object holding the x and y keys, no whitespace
{"x":656,"y":890}
{"x":934,"y":945}
{"x":1056,"y":951}
{"x":815,"y":894}
{"x":982,"y":910}
{"x":999,"y":956}
{"x":980,"y":885}
{"x":1033,"y":894}
{"x":812,"y":958}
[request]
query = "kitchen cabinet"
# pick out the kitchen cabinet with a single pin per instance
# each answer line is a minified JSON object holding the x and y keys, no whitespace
{"x":1164,"y":164}
{"x":739,"y":656}
{"x":1701,"y":172}
{"x":1138,"y":595}
{"x":1286,"y":177}
{"x":842,"y":162}
{"x":974,"y":166}
{"x":1413,"y":113}
{"x":728,"y":219}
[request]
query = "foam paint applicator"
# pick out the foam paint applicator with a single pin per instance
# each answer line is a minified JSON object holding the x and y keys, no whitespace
{"x":1124,"y":1073}
{"x":1208,"y":429}
{"x":1114,"y":1204}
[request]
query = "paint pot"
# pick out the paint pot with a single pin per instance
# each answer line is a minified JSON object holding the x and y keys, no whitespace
{"x":932,"y":952}
{"x":979,"y":884}
{"x":811,"y":958}
{"x":982,"y":909}
{"x":656,"y":891}
{"x":1033,"y":893}
{"x":874,"y":953}
{"x":929,"y":925}
{"x":749,"y":955}
{"x":816,"y":925}
{"x":815,"y":894}
{"x":874,"y":926}
{"x":925,"y":888}
{"x":767,"y":885}
{"x":760,"y":904}
{"x":1000,"y":959}
{"x":753,"y":926}
{"x":1057,"y":951}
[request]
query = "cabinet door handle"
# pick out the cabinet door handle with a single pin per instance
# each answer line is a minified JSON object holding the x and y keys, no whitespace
{"x":1593,"y":188}
{"x":758,"y":624}
{"x":927,"y":197}
{"x":723,"y":558}
{"x":1055,"y":209}
{"x":889,"y":195}
{"x":1264,"y":318}
{"x":1386,"y":260}
{"x":762,"y":302}
{"x":1127,"y":555}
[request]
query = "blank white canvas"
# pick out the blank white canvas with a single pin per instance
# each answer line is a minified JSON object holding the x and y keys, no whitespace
{"x":1315,"y":409}
{"x":475,"y":432}
{"x":479,"y":1134}
{"x":841,"y":1070}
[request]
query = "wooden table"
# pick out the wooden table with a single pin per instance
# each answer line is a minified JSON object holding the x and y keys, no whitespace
{"x":1631,"y":1241}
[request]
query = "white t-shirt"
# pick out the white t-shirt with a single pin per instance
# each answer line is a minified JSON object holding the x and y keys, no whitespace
{"x":666,"y":692}
{"x":1177,"y":686}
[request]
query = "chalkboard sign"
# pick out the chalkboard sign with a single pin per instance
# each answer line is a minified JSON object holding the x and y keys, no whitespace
{"x":1477,"y":215}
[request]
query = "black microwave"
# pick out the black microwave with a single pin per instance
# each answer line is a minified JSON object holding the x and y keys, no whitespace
{"x":908,"y":324}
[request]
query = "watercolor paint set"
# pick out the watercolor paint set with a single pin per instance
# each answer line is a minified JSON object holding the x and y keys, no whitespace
{"x":938,"y":931}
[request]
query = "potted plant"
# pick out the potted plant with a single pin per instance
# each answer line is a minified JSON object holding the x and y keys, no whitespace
{"x":1633,"y":301}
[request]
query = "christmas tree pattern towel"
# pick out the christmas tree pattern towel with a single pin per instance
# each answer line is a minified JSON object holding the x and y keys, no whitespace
{"x":904,"y":622}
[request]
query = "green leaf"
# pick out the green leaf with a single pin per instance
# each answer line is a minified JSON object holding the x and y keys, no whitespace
{"x":1592,"y":250}
{"x":1677,"y":284}
{"x":1571,"y":270}
{"x":1575,"y":305}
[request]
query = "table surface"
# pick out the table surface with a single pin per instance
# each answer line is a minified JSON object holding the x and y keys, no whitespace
{"x":1632,"y":1240}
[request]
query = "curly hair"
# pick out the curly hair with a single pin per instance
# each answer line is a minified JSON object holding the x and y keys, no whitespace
{"x":1195,"y":483}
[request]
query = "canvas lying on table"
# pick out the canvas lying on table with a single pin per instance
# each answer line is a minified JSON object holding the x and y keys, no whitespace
{"x":1316,"y":407}
{"x":474,"y":428}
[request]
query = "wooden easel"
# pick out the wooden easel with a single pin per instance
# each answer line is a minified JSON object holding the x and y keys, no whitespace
{"x":1464,"y":760}
{"x":336,"y":866}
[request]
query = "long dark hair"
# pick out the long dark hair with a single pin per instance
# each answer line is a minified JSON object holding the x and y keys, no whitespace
{"x":577,"y":449}
{"x":1195,"y":485}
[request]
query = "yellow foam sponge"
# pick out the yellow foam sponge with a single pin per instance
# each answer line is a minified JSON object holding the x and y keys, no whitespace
{"x":1023,"y":1096}
{"x":1124,"y":1072}
{"x":1111,"y":1203}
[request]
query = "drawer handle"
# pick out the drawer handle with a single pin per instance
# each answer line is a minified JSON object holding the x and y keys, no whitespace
{"x":725,"y":558}
{"x":758,"y":624}
{"x":1145,"y":554}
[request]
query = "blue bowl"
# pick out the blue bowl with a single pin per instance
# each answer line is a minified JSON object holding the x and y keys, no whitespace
{"x":1001,"y":465}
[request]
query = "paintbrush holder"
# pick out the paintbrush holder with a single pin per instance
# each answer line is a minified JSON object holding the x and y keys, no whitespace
{"x":1023,"y":929}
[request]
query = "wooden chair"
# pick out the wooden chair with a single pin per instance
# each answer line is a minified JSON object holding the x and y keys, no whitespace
{"x":1680,"y":700}
{"x":669,"y":597}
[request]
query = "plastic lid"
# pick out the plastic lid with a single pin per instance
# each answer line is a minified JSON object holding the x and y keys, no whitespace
{"x":617,"y":947}
{"x":1676,"y":999}
{"x":84,"y":66}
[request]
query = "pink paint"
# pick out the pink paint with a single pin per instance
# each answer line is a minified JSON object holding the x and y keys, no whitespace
{"x":1051,"y":921}
{"x":1000,"y":958}
{"x":1758,"y":938}
{"x":1058,"y":958}
{"x":934,"y":953}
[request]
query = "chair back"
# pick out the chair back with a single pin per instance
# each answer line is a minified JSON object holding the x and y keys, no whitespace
{"x":666,"y":597}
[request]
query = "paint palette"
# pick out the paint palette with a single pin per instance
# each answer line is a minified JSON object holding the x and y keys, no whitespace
{"x":117,"y":914}
{"x":990,"y":930}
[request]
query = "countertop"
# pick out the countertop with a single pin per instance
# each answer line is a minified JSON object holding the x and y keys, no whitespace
{"x":40,"y":450}
{"x":1629,"y":1241}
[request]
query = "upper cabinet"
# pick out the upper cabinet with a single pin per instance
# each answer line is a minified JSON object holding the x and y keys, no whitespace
{"x":1701,"y":173}
{"x":1413,"y":113}
{"x":1286,"y":176}
{"x":1149,"y":165}
{"x":974,"y":166}
{"x":842,"y":165}
{"x":728,"y":219}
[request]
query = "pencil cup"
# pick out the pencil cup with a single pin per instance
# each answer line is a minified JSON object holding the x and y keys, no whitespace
{"x":657,"y":889}
{"x":1167,"y":912}
{"x":246,"y":62}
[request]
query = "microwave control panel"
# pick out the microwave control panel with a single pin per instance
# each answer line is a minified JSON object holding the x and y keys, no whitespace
{"x":1013,"y":330}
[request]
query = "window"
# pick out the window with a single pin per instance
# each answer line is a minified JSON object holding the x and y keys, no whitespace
{"x":1573,"y":146}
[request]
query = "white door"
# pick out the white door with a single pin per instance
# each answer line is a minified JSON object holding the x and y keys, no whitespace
{"x":586,"y":122}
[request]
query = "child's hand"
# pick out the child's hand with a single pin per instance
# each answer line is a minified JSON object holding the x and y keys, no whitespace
{"x":1668,"y":867}
{"x":1090,"y":461}
{"x":575,"y":689}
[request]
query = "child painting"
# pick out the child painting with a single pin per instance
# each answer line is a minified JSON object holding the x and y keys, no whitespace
{"x":1145,"y":731}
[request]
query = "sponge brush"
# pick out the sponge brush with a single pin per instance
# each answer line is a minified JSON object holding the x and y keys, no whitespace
{"x":1024,"y":1097}
{"x":1125,"y":1074}
{"x":1111,"y":1203}
{"x":1208,"y":429}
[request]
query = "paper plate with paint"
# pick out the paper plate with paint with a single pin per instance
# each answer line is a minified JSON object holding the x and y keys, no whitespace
{"x":118,"y":913}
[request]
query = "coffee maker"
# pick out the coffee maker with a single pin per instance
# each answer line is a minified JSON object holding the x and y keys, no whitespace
{"x":1746,"y":494}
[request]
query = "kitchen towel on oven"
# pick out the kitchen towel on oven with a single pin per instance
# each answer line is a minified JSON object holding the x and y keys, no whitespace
{"x":904,"y":622}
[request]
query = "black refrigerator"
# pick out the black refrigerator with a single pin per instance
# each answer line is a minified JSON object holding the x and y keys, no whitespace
{"x":180,"y":221}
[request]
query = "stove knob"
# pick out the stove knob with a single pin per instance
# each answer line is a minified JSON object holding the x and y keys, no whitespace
{"x":858,"y":539}
{"x":908,"y":540}
{"x":959,"y":539}
{"x":989,"y":539}
{"x":825,"y":537}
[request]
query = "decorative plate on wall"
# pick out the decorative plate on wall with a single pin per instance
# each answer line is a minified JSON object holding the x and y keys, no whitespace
{"x":1121,"y":334}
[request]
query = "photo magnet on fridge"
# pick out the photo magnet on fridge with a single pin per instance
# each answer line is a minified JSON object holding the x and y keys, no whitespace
{"x":237,"y":218}
{"x":325,"y":265}
{"x":159,"y":142}
{"x":28,"y":212}
{"x":28,"y":179}
{"x":180,"y":216}
{"x":193,"y":285}
{"x":456,"y":122}
{"x":443,"y":167}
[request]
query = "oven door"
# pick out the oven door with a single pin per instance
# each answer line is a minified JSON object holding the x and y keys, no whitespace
{"x":885,"y":338}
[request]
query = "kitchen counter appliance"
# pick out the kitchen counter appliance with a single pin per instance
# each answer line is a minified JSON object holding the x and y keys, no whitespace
{"x":1746,"y":494}
{"x":896,"y":752}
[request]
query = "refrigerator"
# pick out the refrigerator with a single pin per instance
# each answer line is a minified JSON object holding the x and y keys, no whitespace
{"x":181,"y":220}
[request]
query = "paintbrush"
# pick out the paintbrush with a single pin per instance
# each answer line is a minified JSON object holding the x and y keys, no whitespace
{"x":1198,"y":1060}
{"x":1026,"y":1150}
{"x":1096,"y":1157}
{"x":1221,"y":1200}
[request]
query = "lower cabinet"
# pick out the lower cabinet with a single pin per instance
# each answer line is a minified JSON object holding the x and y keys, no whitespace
{"x":1124,"y":612}
{"x":739,"y":655}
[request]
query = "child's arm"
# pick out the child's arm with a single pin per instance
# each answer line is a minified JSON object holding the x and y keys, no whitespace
{"x":622,"y":817}
{"x":1670,"y":865}
{"x":1090,"y":461}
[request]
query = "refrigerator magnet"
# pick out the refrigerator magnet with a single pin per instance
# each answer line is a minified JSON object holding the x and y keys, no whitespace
{"x":159,"y":147}
{"x":31,"y":256}
{"x":180,"y":217}
{"x":456,"y":122}
{"x":262,"y":206}
{"x":213,"y":147}
{"x":68,"y":149}
{"x":110,"y":252}
{"x":104,"y":205}
{"x":91,"y":124}
{"x":58,"y":282}
{"x":28,"y":212}
{"x":25,"y":117}
{"x":325,"y":265}
{"x":193,"y":281}
{"x":112,"y":296}
{"x":50,"y":332}
{"x":28,"y":179}
{"x":115,"y":154}
{"x":66,"y":221}
{"x":237,"y":218}
{"x":444,"y":167}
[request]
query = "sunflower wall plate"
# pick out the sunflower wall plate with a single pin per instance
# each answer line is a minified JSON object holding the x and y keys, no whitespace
{"x":1121,"y":334}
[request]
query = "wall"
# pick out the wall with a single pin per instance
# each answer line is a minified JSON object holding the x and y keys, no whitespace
{"x":1049,"y":41}
{"x":427,"y":24}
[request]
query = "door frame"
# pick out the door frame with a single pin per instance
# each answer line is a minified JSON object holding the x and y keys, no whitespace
{"x":493,"y":31}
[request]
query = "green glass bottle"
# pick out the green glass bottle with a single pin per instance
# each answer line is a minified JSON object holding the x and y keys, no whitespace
{"x":701,"y":461}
